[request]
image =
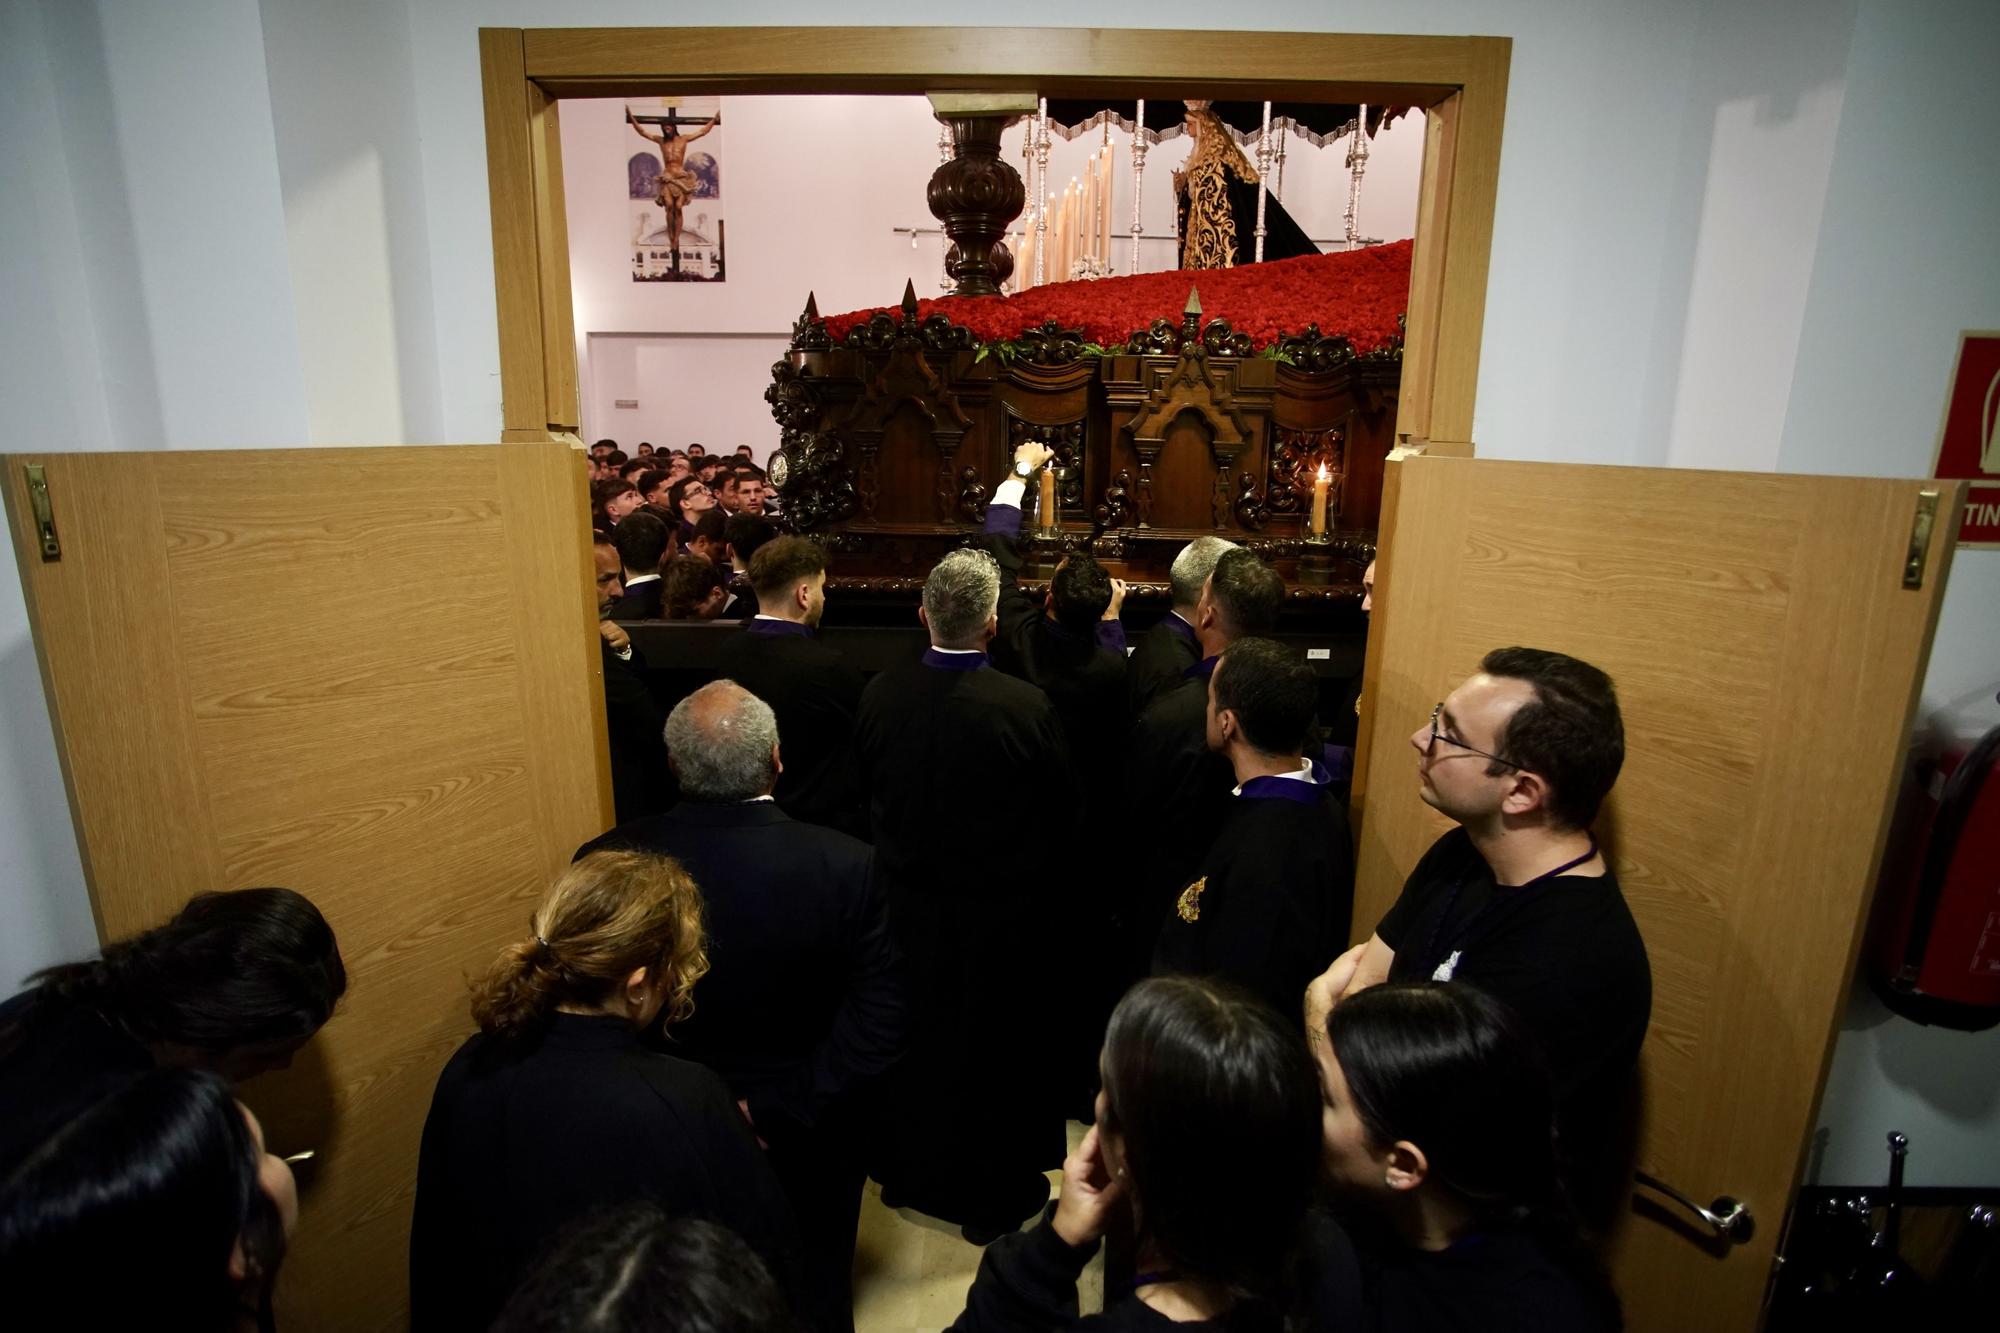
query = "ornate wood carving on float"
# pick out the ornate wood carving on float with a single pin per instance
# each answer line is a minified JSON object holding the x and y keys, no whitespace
{"x":897,"y":425}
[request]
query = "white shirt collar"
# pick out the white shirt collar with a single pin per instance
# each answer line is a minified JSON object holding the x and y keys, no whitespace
{"x":963,"y":652}
{"x":637,"y":579}
{"x":1305,"y":774}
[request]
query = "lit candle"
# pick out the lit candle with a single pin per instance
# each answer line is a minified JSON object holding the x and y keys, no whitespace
{"x":1319,"y":502}
{"x":1048,"y":495}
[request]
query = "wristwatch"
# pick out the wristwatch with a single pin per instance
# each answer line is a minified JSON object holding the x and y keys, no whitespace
{"x":1023,"y":469}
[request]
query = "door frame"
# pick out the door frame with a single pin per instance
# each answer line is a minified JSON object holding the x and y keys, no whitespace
{"x":1460,"y":82}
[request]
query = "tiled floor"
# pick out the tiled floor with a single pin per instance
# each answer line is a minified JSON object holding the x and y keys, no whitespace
{"x":911,"y":1271}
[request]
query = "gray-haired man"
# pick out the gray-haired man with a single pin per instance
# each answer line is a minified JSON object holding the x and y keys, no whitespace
{"x":1163,"y":654}
{"x":971,"y":805}
{"x":803,"y":1006}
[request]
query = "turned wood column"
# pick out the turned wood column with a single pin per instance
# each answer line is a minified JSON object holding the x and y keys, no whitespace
{"x":974,"y":193}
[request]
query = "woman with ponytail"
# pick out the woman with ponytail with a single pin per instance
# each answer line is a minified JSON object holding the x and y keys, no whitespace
{"x":234,"y":984}
{"x":1439,"y":1121}
{"x":557,"y":1106}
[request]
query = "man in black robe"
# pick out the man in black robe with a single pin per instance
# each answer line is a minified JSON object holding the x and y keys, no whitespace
{"x":802,"y":1008}
{"x":1177,"y":789}
{"x":1163,"y":653}
{"x":1055,"y":645}
{"x":641,"y":781}
{"x":813,"y":689}
{"x":973,"y":812}
{"x":1271,"y":899}
{"x":1060,"y":646}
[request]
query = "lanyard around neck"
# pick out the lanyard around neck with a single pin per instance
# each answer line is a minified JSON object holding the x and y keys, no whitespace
{"x":1433,"y":955}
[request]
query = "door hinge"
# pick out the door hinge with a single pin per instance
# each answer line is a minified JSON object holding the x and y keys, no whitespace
{"x":1920,"y":539}
{"x":45,"y":514}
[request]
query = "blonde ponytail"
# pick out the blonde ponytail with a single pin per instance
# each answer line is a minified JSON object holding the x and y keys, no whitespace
{"x":606,"y":916}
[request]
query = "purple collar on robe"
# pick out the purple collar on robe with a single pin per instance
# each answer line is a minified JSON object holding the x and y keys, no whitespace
{"x":1203,"y":669}
{"x":953,"y":661}
{"x":1275,"y":788}
{"x":1184,"y":631}
{"x":776,"y":627}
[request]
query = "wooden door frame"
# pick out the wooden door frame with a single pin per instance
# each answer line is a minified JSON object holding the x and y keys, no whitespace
{"x":1461,"y":82}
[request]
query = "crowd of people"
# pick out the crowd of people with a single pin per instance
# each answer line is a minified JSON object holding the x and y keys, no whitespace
{"x":906,"y":928}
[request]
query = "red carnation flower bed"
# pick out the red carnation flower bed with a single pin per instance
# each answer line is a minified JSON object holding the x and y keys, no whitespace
{"x":1359,"y":293}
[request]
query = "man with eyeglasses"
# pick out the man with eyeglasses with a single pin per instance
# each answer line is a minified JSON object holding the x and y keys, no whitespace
{"x":1519,"y":899}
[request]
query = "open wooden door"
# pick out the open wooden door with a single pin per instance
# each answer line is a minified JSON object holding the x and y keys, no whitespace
{"x":1768,"y":646}
{"x":366,"y":674}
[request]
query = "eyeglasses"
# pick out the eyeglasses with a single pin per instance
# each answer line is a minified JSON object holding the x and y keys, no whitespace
{"x":1437,"y":736}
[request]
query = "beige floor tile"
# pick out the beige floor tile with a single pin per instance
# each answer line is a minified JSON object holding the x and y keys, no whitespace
{"x":911,"y":1272}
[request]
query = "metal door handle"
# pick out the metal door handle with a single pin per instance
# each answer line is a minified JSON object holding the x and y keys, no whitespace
{"x":1731,"y":1218}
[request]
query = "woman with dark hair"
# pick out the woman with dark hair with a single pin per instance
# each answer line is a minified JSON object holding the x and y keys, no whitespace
{"x":634,"y":1269}
{"x":1440,"y":1119}
{"x":153,"y":1207}
{"x":1207,"y":1144}
{"x":556,"y":1106}
{"x":235,"y":984}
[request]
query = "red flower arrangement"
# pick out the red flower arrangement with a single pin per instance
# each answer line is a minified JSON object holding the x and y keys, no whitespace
{"x":1359,"y":293}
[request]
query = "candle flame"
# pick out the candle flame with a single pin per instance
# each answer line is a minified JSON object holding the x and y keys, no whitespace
{"x":1322,"y":473}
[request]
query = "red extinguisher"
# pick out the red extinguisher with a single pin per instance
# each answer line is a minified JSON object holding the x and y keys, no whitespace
{"x":1935,"y":951}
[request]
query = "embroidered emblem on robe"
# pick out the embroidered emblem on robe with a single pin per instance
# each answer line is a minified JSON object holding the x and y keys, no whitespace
{"x":1189,"y":905}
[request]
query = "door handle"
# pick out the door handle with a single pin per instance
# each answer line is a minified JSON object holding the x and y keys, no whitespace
{"x":1731,"y":1218}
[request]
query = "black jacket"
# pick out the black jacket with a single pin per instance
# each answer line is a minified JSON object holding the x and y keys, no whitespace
{"x":803,"y":1002}
{"x":525,"y":1136}
{"x":641,"y":601}
{"x":1160,"y":659}
{"x":1177,"y":796}
{"x":815,"y":693}
{"x":641,"y":782}
{"x":1085,"y":682}
{"x":1270,"y":903}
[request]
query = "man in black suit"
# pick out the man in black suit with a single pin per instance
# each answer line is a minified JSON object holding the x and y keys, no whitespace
{"x":641,"y":539}
{"x":1176,"y":787}
{"x":1164,"y":653}
{"x":802,"y":1008}
{"x":811,"y":687}
{"x":641,"y":781}
{"x":973,"y":811}
{"x":1272,"y":897}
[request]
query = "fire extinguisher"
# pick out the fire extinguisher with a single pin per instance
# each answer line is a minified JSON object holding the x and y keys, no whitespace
{"x":1935,"y":955}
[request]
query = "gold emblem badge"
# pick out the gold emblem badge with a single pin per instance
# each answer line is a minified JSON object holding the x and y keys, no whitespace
{"x":1189,"y":905}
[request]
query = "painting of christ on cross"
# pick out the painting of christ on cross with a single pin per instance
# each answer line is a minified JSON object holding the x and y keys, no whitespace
{"x":675,"y":188}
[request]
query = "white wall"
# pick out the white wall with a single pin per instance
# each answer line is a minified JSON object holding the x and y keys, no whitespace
{"x":1725,"y":233}
{"x":815,"y":189}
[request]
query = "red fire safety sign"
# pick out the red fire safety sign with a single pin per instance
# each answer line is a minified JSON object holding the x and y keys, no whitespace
{"x":1969,"y":442}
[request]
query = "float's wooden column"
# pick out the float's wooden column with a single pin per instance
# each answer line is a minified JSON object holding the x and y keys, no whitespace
{"x":975,"y":194}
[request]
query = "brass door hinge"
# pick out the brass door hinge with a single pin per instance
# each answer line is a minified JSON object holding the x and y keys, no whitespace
{"x":1920,"y":539}
{"x":45,"y":514}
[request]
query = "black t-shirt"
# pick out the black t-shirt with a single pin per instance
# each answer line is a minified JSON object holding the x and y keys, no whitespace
{"x":1498,"y":1281}
{"x":56,"y":1057}
{"x":1563,"y":953}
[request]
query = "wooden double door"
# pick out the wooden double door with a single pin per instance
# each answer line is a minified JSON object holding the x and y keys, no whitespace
{"x":372,"y":675}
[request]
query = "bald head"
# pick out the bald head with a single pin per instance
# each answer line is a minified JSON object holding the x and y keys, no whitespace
{"x":723,"y":743}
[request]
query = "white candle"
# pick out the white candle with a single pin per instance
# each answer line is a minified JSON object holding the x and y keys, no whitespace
{"x":1105,"y":211}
